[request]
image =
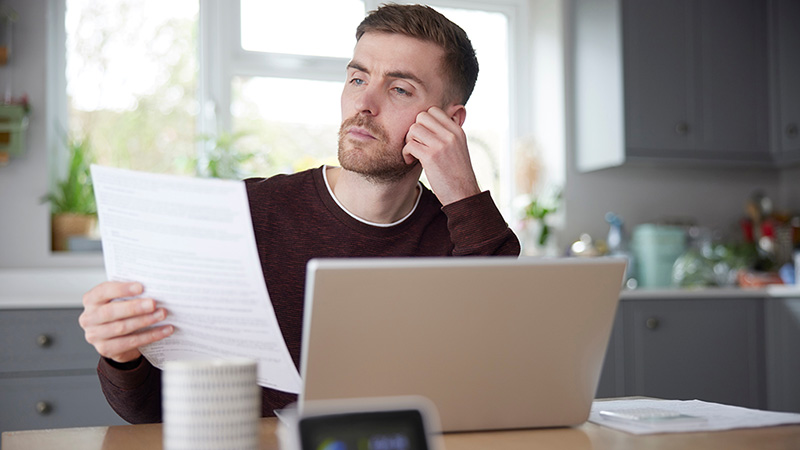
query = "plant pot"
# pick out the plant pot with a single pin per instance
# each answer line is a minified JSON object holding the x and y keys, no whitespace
{"x":66,"y":225}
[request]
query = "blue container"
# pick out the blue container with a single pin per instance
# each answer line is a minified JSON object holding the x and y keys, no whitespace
{"x":656,"y":247}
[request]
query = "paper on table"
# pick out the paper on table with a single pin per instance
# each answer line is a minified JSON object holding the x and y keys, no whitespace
{"x":718,"y":417}
{"x":190,"y":242}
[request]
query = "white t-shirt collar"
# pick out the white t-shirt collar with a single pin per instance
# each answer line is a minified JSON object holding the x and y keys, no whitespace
{"x":374,"y":224}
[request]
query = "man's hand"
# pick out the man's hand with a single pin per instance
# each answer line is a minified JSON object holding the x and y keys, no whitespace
{"x":117,"y":329}
{"x":438,"y":142}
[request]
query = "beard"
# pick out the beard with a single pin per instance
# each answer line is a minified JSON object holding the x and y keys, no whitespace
{"x":378,"y":160}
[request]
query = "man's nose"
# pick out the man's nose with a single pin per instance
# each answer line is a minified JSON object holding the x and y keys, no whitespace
{"x":367,"y":101}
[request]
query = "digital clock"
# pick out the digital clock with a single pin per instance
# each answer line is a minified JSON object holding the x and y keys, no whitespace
{"x":395,"y":423}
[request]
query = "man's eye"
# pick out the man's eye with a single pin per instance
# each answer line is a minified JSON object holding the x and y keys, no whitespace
{"x":402,"y":91}
{"x":357,"y":81}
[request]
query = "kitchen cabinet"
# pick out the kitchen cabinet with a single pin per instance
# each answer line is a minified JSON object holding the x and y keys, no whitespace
{"x":696,"y":348}
{"x":783,"y":354}
{"x":784,"y":17}
{"x":47,"y":376}
{"x":612,"y":377}
{"x":681,"y":80}
{"x":739,"y":349}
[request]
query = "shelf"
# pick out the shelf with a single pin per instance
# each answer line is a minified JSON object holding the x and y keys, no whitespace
{"x":13,"y":124}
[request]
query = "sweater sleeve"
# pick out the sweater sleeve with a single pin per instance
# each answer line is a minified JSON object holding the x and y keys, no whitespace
{"x":133,"y":393}
{"x":477,"y":228}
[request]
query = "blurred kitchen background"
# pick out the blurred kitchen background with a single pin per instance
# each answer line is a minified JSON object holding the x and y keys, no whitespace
{"x":653,"y":113}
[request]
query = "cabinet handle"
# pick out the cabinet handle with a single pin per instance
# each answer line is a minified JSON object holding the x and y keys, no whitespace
{"x":43,"y":408}
{"x":651,"y":323}
{"x":682,"y":128}
{"x":44,"y":340}
{"x":791,"y":130}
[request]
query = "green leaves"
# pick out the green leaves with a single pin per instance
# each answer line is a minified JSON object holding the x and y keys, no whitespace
{"x":539,"y":208}
{"x":223,"y":159}
{"x":75,"y":194}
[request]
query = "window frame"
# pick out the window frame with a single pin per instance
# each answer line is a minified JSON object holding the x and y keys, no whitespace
{"x":57,"y":110}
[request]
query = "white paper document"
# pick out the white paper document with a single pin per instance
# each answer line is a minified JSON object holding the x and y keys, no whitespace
{"x":687,"y":416}
{"x":190,"y":242}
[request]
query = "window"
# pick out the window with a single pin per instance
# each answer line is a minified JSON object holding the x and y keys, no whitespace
{"x":287,"y":133}
{"x":266,"y":26}
{"x":132,"y":81}
{"x":487,"y":126}
{"x":149,"y":81}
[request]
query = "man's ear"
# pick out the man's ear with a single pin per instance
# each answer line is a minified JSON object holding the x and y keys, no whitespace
{"x":458,"y":113}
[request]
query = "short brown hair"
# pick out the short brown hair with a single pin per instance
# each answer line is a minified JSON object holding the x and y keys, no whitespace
{"x":460,"y":66}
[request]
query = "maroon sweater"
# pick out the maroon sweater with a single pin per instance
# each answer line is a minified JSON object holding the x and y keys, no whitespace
{"x":296,"y":219}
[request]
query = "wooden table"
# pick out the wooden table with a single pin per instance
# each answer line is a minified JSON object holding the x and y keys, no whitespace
{"x":587,"y":436}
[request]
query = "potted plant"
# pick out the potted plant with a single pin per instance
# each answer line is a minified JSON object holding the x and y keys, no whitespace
{"x":536,"y":226}
{"x":222,"y":158}
{"x":72,"y":203}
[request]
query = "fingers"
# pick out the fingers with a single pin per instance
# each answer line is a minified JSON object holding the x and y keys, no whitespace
{"x":437,"y":140}
{"x":434,"y":129}
{"x":435,"y":136}
{"x":105,"y":292}
{"x":125,"y":348}
{"x":99,"y":308}
{"x":123,"y":327}
{"x":117,"y":328}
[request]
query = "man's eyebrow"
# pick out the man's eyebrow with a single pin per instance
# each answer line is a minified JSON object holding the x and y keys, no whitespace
{"x":356,"y":66}
{"x":393,"y":74}
{"x":406,"y":76}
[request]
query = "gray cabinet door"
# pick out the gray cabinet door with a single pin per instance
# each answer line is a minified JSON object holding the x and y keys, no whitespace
{"x":783,"y":354}
{"x":785,"y":42}
{"x":696,"y":349}
{"x":43,"y":339}
{"x":696,"y":79}
{"x":53,"y":402}
{"x":677,"y":80}
{"x":734,"y":97}
{"x":612,"y":378}
{"x":659,"y":75}
{"x":47,"y":372}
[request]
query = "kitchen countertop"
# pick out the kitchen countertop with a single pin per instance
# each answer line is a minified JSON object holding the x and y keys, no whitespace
{"x":775,"y":291}
{"x":64,"y":288}
{"x":47,"y":288}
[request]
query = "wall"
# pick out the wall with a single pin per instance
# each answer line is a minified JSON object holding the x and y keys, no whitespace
{"x":710,"y":197}
{"x":24,"y":220}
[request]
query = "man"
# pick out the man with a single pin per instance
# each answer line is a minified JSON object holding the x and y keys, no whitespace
{"x":402,"y":109}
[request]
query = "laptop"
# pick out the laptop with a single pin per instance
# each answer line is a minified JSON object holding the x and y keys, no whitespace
{"x":494,"y":342}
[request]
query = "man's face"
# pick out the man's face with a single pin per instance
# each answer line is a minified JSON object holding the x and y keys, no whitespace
{"x":390,"y":80}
